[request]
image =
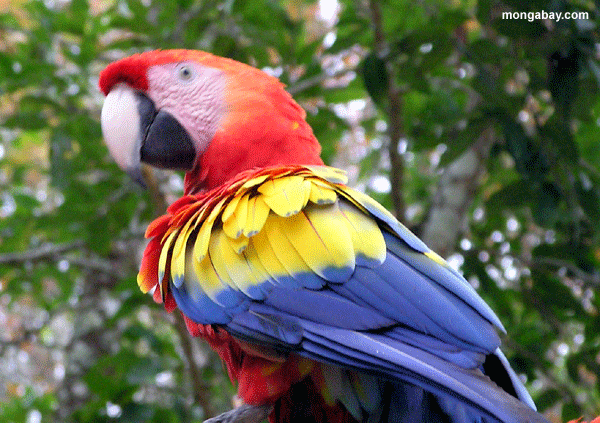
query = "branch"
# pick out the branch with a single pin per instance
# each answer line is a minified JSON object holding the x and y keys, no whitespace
{"x":448,"y":213}
{"x":97,"y":265}
{"x":394,"y":113}
{"x":199,"y":388}
{"x":587,"y":278}
{"x":243,"y":414}
{"x":54,"y":252}
{"x":315,"y":80}
{"x":159,"y":202}
{"x":41,"y":253}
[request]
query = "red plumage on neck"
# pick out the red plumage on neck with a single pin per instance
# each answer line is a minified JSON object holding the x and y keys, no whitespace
{"x":263,"y":126}
{"x":227,"y":156}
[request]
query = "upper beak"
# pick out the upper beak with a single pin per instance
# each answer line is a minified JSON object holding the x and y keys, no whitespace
{"x":136,"y":132}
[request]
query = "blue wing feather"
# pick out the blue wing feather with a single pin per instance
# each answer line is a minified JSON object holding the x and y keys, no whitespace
{"x":267,"y":328}
{"x":371,"y":351}
{"x":453,"y":319}
{"x":202,"y":310}
{"x":445,"y":276}
{"x":327,"y":308}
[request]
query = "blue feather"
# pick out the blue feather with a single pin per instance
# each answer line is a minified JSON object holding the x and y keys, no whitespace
{"x":373,"y":352}
{"x":445,"y":276}
{"x":274,"y":329}
{"x":201,"y":310}
{"x":326,"y":307}
{"x":459,"y":356}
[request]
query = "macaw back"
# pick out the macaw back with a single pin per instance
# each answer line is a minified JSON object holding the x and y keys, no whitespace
{"x":318,"y":301}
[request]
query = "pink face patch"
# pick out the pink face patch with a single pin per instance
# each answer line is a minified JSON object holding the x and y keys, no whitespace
{"x":193,"y":94}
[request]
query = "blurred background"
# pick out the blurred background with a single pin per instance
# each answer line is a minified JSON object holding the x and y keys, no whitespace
{"x":480,"y":133}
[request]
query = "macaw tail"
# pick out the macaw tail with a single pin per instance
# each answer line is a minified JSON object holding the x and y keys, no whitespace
{"x":385,"y":401}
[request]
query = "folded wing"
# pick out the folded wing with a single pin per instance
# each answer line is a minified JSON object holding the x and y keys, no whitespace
{"x":293,"y":260}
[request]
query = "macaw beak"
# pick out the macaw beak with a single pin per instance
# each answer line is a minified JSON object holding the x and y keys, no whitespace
{"x":135,"y":132}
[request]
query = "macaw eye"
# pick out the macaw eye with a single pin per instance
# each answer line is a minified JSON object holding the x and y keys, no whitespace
{"x":185,"y":73}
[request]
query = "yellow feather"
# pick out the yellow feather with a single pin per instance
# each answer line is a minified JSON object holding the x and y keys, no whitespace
{"x":238,"y":244}
{"x":255,"y":181}
{"x":197,"y":218}
{"x":178,"y":261}
{"x":216,"y":210}
{"x":437,"y":258}
{"x":305,"y":366}
{"x":227,"y":261}
{"x":366,"y":234}
{"x":254,"y":264}
{"x":236,"y":221}
{"x":273,"y":186}
{"x":202,"y":240}
{"x":258,"y":211}
{"x":330,"y":389}
{"x":350,"y":197}
{"x":203,"y":236}
{"x":207,"y":277}
{"x":286,"y":195}
{"x":222,"y":256}
{"x":305,"y":190}
{"x":231,"y":206}
{"x":321,"y":183}
{"x":365,"y":199}
{"x":192,"y":279}
{"x":331,"y":174}
{"x":178,"y":257}
{"x":164,"y":255}
{"x":141,"y":283}
{"x":266,"y":255}
{"x":284,"y":250}
{"x":321,"y":238}
{"x":320,"y":194}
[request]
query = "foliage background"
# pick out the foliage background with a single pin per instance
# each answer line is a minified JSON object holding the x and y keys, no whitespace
{"x":481,"y":133}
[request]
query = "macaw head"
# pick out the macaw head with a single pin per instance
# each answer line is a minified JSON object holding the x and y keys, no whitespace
{"x":210,"y":116}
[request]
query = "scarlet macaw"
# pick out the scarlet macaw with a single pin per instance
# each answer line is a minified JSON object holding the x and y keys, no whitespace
{"x":315,"y":297}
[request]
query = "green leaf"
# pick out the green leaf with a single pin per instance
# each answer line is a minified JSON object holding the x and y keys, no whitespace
{"x":545,"y":208}
{"x":512,"y":196}
{"x":133,"y":412}
{"x":375,"y":78}
{"x":563,"y":78}
{"x":113,"y":368}
{"x":530,"y":161}
{"x":594,"y":69}
{"x":547,"y":399}
{"x":463,"y":140}
{"x":571,"y":411}
{"x":520,"y":28}
{"x":558,"y":137}
{"x":589,"y":199}
{"x":555,"y":296}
